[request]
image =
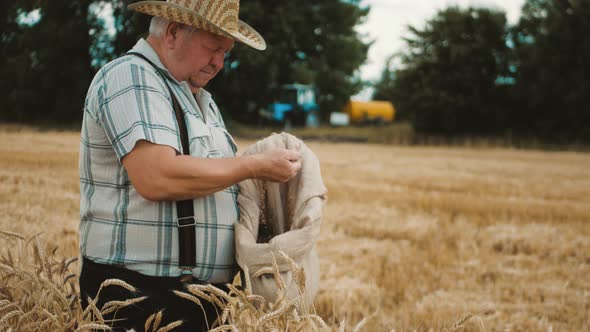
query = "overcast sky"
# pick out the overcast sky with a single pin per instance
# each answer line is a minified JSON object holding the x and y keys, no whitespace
{"x":388,"y":19}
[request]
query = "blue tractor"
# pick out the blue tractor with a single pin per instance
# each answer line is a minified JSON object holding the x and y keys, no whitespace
{"x":296,"y":106}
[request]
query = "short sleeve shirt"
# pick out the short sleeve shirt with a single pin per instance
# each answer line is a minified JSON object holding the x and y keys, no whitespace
{"x":128,"y":101}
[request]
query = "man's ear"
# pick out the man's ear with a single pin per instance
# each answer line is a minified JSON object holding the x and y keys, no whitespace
{"x":171,"y":35}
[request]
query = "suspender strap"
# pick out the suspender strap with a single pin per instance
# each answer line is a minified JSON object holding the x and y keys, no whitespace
{"x":184,"y":209}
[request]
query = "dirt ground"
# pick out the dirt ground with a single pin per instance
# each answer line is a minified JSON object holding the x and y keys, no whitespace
{"x":412,"y":238}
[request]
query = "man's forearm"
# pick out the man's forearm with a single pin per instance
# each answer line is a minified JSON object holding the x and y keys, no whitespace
{"x":158,"y":174}
{"x":190,"y":177}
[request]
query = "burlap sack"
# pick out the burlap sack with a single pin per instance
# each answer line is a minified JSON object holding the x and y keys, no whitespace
{"x":293,"y":213}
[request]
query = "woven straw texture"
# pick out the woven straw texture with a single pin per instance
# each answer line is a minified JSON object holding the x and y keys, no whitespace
{"x":216,"y":16}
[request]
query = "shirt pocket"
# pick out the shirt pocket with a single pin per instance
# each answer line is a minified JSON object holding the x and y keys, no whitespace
{"x":211,"y":142}
{"x":200,"y":142}
{"x":230,"y":141}
{"x":224,"y":142}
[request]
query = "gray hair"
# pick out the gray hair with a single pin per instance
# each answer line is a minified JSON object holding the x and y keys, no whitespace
{"x":158,"y":26}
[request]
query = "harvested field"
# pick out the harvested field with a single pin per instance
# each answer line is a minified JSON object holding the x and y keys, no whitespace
{"x":414,"y":238}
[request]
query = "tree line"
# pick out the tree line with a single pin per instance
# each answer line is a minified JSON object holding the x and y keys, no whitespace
{"x":465,"y":72}
{"x":47,"y":65}
{"x":468,"y":72}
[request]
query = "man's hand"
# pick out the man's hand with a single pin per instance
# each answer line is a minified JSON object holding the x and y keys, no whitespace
{"x":279,"y":165}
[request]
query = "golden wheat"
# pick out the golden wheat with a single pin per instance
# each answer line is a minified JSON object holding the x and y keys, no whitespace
{"x":413,"y":238}
{"x":170,"y":326}
{"x":243,"y":311}
{"x":39,"y":293}
{"x":157,"y":320}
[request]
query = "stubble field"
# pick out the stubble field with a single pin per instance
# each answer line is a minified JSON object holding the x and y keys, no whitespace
{"x":413,"y":238}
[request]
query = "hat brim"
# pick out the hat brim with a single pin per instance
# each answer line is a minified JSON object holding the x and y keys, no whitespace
{"x":245,"y":34}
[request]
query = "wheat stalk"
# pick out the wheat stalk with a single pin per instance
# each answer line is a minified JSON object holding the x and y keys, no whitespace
{"x":170,"y":326}
{"x":93,"y":327}
{"x":224,"y":328}
{"x":157,"y":320}
{"x":189,"y":297}
{"x":317,"y":320}
{"x":461,"y":322}
{"x":198,"y":292}
{"x":12,"y":235}
{"x":10,"y":315}
{"x":92,"y":311}
{"x":297,"y":272}
{"x":280,"y":283}
{"x":49,"y":278}
{"x":148,"y":322}
{"x":113,"y":306}
{"x":213,"y":290}
{"x":269,"y":316}
{"x":116,"y":282}
{"x":262,"y":271}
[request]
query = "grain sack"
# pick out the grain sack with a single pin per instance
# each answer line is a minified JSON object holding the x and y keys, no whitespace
{"x":281,"y":217}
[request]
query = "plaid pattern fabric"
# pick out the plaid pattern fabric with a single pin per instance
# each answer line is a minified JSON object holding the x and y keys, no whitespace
{"x":128,"y":101}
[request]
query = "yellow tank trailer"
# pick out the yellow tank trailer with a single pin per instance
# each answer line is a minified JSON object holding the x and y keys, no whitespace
{"x":369,"y":112}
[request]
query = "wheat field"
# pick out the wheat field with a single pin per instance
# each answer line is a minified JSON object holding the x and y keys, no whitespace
{"x":413,"y":238}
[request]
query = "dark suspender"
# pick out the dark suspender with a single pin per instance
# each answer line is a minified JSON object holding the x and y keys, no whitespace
{"x":184,"y":209}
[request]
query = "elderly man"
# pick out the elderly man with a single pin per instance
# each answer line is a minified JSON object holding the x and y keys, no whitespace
{"x":158,"y":170}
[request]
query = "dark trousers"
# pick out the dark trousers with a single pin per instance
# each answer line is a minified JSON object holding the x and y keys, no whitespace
{"x":159,"y":297}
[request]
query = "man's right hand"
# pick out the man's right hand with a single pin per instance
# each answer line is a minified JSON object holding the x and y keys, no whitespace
{"x":278,"y":165}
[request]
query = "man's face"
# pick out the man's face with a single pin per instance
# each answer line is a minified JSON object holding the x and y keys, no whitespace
{"x":199,"y":57}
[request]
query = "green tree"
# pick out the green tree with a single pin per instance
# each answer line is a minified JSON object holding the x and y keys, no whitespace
{"x":129,"y":26}
{"x":47,"y":64}
{"x":454,"y":77}
{"x":311,"y":43}
{"x":308,"y":43}
{"x":553,"y":63}
{"x":11,"y":56}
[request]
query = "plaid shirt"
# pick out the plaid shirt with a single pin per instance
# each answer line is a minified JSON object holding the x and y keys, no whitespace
{"x":128,"y":101}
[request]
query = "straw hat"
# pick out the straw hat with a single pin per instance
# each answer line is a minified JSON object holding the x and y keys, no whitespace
{"x":216,"y":16}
